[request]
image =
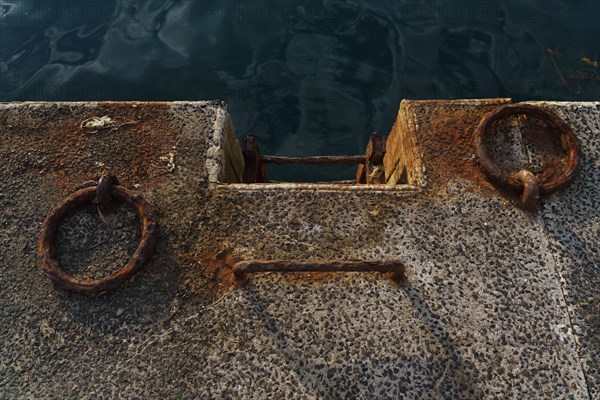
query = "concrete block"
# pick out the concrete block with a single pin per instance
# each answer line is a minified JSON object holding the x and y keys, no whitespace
{"x":494,"y":307}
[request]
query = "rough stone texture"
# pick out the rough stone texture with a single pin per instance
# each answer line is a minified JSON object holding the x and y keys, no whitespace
{"x":494,"y":307}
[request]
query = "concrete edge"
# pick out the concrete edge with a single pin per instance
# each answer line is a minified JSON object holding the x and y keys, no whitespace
{"x":321,"y":187}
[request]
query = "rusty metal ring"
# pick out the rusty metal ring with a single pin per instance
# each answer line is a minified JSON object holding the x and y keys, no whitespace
{"x":569,"y":143}
{"x":143,"y":252}
{"x":107,"y":180}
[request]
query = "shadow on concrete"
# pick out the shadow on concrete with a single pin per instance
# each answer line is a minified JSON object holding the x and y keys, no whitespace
{"x":455,"y":377}
{"x":571,"y":224}
{"x":142,"y":301}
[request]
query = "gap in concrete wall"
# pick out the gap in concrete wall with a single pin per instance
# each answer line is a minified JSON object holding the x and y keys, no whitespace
{"x":324,"y":174}
{"x":395,"y":165}
{"x":233,"y":167}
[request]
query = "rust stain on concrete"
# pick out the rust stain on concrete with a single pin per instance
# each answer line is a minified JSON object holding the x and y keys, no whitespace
{"x":54,"y":143}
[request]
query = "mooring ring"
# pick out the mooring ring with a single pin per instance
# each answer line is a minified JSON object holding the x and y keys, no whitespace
{"x":568,"y":140}
{"x":143,"y":252}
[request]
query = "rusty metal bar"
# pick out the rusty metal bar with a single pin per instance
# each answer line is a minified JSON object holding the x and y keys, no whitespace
{"x":243,"y":267}
{"x":372,"y":171}
{"x":342,"y":182}
{"x":313,"y":160}
{"x":370,"y":165}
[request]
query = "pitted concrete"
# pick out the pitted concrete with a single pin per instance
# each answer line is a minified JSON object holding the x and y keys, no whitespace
{"x":572,"y":225}
{"x":501,"y":303}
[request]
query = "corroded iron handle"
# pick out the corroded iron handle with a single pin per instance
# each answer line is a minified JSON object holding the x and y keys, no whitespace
{"x":243,"y":267}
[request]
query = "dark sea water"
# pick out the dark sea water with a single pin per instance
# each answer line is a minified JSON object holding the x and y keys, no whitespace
{"x":306,"y":77}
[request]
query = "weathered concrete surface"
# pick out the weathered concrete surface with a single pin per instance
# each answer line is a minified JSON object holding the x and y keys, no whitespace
{"x":572,"y":225}
{"x":501,"y":304}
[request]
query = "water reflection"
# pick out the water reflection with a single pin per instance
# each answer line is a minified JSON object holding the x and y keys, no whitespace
{"x":307,"y":77}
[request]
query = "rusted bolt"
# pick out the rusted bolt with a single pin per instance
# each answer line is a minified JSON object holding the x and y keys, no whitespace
{"x":531,"y":188}
{"x":103,"y":192}
{"x":394,"y":266}
{"x":143,"y":252}
{"x":519,"y":182}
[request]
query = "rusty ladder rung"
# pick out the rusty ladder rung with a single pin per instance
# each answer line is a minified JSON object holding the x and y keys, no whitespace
{"x":313,"y":160}
{"x":370,"y":166}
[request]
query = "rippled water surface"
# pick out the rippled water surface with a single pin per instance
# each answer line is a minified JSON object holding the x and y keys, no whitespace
{"x":307,"y":77}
